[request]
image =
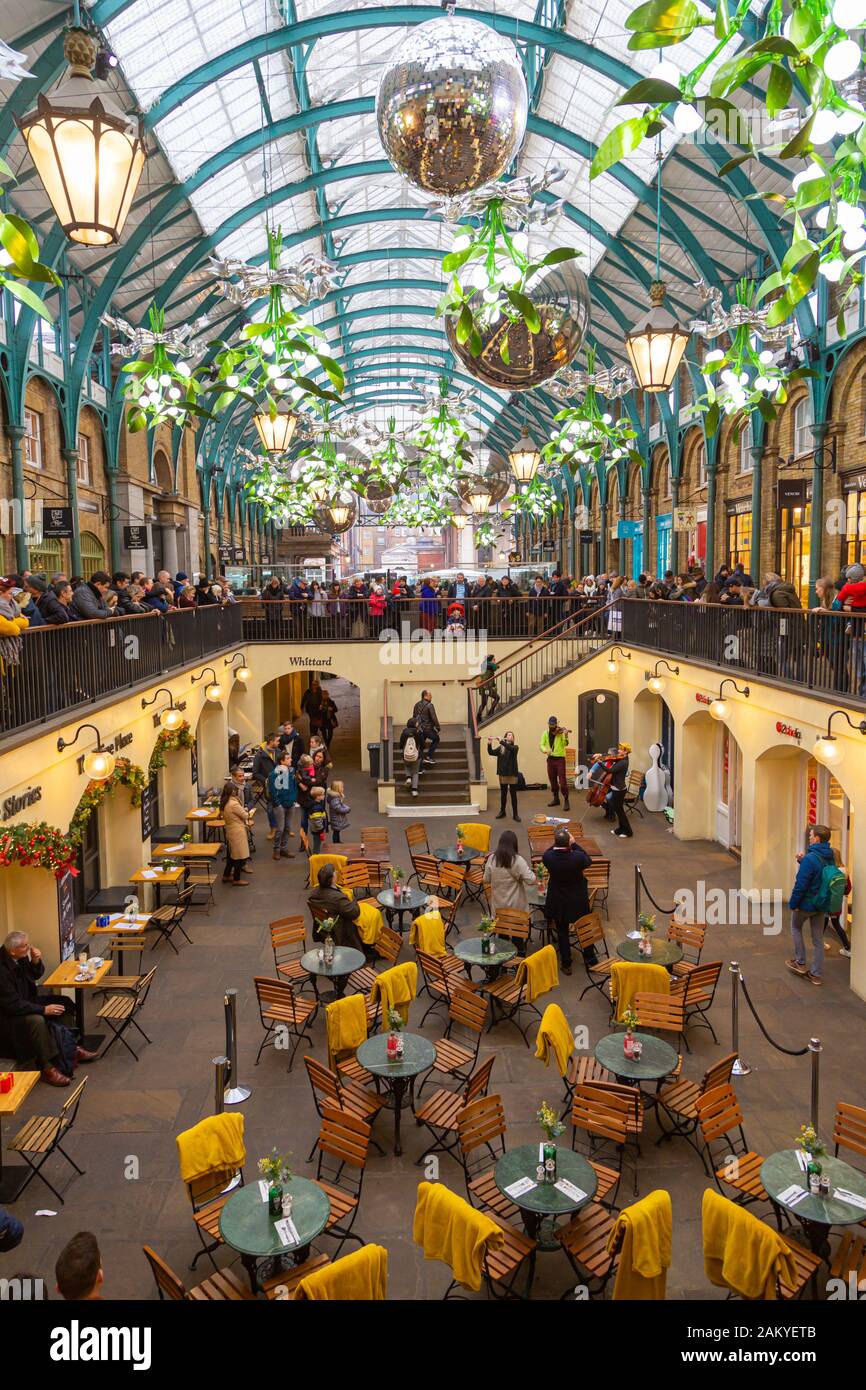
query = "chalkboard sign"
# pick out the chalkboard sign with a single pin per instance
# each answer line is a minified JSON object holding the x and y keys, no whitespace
{"x":149,"y":809}
{"x":66,"y":916}
{"x":135,"y":538}
{"x":193,"y":759}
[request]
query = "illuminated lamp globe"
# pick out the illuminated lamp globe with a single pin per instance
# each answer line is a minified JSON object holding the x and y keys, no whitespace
{"x":88,"y":153}
{"x":828,"y":750}
{"x":480,"y":500}
{"x":612,"y":667}
{"x":275,"y":428}
{"x":213,"y":691}
{"x":656,"y":344}
{"x":99,"y":764}
{"x":657,"y":684}
{"x":719,"y":709}
{"x":524,"y":458}
{"x":171,"y":719}
{"x":243,"y":674}
{"x":459,"y":520}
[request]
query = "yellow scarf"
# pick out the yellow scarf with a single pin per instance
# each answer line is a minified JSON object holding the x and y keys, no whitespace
{"x":554,"y":1036}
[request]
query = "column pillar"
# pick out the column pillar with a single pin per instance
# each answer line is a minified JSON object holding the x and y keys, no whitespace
{"x":70,"y":458}
{"x":710,"y":561}
{"x":675,"y":535}
{"x":113,"y":520}
{"x":646,"y":497}
{"x":15,"y":435}
{"x":755,"y":554}
{"x":816,"y":530}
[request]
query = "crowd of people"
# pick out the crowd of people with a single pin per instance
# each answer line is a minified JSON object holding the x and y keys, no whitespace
{"x":63,"y":599}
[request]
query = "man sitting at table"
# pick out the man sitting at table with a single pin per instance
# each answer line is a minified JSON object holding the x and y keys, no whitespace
{"x":25,"y":1016}
{"x":336,"y":903}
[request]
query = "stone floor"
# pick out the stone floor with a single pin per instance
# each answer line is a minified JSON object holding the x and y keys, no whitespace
{"x":132,"y":1194}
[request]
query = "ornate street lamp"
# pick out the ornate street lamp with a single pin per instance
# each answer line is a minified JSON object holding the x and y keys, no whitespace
{"x":827,"y":747}
{"x":87,"y":152}
{"x":656,"y":344}
{"x":171,"y":718}
{"x":275,"y":430}
{"x":720,"y":708}
{"x":99,"y":763}
{"x":213,"y":691}
{"x":524,"y":458}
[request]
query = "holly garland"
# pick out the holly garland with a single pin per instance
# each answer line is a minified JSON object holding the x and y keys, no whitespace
{"x":126,"y":774}
{"x":39,"y":846}
{"x":169,"y":741}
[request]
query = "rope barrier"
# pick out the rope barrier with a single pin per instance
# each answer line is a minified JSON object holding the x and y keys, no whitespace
{"x":788,"y":1051}
{"x":640,"y":882}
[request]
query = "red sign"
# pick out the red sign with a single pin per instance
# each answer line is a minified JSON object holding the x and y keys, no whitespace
{"x":787,"y":729}
{"x":703,"y":699}
{"x":813,"y":801}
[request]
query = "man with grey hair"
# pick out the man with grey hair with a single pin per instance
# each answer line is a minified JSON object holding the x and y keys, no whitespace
{"x":25,"y":1017}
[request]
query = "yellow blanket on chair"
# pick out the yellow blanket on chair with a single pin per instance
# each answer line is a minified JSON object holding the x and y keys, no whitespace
{"x":318,"y":861}
{"x":346,"y":1024}
{"x":554,"y":1036}
{"x":540,"y":973}
{"x":427,"y":932}
{"x":212,"y":1144}
{"x":475,"y":835}
{"x":448,"y":1229}
{"x":741,"y":1252}
{"x":645,"y":1252}
{"x":628,"y":979}
{"x":395,"y":989}
{"x":369,"y":922}
{"x":360,"y":1277}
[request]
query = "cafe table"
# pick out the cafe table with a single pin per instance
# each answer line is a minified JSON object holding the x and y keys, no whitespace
{"x":657,"y":1060}
{"x":541,"y":1204}
{"x":346,"y":959}
{"x":370,"y":854}
{"x":247,"y":1226}
{"x":781,"y":1171}
{"x":157,"y":878}
{"x":199,"y":817}
{"x":470,"y":952}
{"x":118,"y":924}
{"x":186,"y":850}
{"x":411,"y":900}
{"x":665,"y":953}
{"x":65,"y":977}
{"x":419,"y":1054}
{"x":14,"y":1176}
{"x":447,"y":854}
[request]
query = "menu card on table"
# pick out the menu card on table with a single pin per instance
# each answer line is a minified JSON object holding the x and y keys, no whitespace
{"x":852,"y":1198}
{"x":792,"y":1195}
{"x":568,"y":1189}
{"x":286,"y":1231}
{"x":517,"y":1189}
{"x":263,"y":1188}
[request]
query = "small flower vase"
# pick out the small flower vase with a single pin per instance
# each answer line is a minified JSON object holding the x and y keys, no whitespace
{"x":328,"y":950}
{"x":398,"y":889}
{"x":459,"y":849}
{"x":550,"y":1161}
{"x":487,"y":944}
{"x":391,"y":1047}
{"x":628,"y":1043}
{"x":275,"y":1200}
{"x":401,"y":1044}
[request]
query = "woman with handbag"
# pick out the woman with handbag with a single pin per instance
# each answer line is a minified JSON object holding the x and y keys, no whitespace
{"x":237,"y":819}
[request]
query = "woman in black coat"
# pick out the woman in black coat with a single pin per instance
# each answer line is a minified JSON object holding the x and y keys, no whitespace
{"x":567,"y":894}
{"x":505,"y":752}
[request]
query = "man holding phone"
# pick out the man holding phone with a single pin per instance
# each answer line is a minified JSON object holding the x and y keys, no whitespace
{"x":554,"y":742}
{"x":24,"y":1016}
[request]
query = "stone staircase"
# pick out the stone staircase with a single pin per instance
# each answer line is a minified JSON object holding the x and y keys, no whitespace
{"x":441,"y":789}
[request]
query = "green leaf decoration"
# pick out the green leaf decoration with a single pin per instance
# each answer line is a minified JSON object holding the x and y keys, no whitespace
{"x":464,"y":324}
{"x":618,"y":142}
{"x":797,"y":144}
{"x":455,"y":259}
{"x":30,"y":298}
{"x":712,"y":418}
{"x":779,"y":90}
{"x":732,"y":164}
{"x":722,"y":21}
{"x":799,"y":284}
{"x":661,"y":23}
{"x":560,"y":254}
{"x":650,"y":91}
{"x":527,"y":310}
{"x":805,"y":27}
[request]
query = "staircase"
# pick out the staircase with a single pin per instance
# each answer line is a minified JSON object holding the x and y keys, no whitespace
{"x":563,"y":648}
{"x":443,"y":789}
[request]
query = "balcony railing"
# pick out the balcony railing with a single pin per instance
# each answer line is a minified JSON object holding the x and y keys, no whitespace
{"x":823,"y":652}
{"x":65,"y":668}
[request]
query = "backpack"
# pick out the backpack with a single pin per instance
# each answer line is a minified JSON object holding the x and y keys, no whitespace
{"x":410,"y":751}
{"x":831,"y":889}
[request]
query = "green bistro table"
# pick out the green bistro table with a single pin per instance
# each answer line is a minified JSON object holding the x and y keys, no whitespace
{"x":418,"y":1055}
{"x":448,"y":854}
{"x":248,"y":1227}
{"x":543,"y":1204}
{"x":346,"y":959}
{"x":411,"y":900}
{"x":663,"y":952}
{"x":658,"y":1058}
{"x":815,"y":1214}
{"x":470,"y":953}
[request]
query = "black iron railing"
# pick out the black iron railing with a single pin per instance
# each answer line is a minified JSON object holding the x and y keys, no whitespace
{"x":821,"y":651}
{"x":63,"y":668}
{"x":355,"y":620}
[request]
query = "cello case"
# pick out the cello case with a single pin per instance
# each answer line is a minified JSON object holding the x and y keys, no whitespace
{"x":656,"y":796}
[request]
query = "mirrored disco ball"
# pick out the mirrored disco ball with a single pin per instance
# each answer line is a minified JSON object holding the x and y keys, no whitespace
{"x":378,"y":497}
{"x":452,"y":105}
{"x":493,"y":472}
{"x":562,"y":301}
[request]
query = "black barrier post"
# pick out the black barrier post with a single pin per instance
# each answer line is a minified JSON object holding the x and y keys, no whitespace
{"x":219,"y":1065}
{"x":740,"y":1068}
{"x":816,"y":1048}
{"x":235,"y":1093}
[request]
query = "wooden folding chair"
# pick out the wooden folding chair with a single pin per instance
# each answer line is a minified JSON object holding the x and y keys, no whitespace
{"x":330,"y":1091}
{"x":425,"y":871}
{"x":632,"y":801}
{"x":586,"y":1240}
{"x":457,"y":1049}
{"x":355,"y":874}
{"x":513,"y":923}
{"x":679,"y":1100}
{"x":207,"y":1195}
{"x":416,"y":838}
{"x":590,"y":937}
{"x":732,"y":1162}
{"x":474,"y":885}
{"x":281,"y":1286}
{"x":575,"y":828}
{"x":387,"y":947}
{"x":201,"y":875}
{"x":690,"y":936}
{"x":507,"y":997}
{"x":849,"y":1128}
{"x":288,"y":942}
{"x":441,"y":1112}
{"x":169,"y":919}
{"x":124,"y":1002}
{"x":282,"y":1011}
{"x":452,"y":879}
{"x":376,"y":837}
{"x":437,"y":981}
{"x":481,"y":1131}
{"x":42,"y":1135}
{"x":597,"y":877}
{"x":540,"y":840}
{"x":343,"y":1145}
{"x":698,"y":992}
{"x":662,"y":1013}
{"x":222,"y":1286}
{"x":608,"y":1117}
{"x":123,"y":944}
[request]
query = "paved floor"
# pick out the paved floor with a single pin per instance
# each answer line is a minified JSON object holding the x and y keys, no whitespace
{"x":132,"y":1194}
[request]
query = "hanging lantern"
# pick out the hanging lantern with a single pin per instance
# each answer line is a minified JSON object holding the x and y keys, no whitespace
{"x":213,"y":692}
{"x":480,"y":500}
{"x":275,"y":428}
{"x":171,"y":719}
{"x":656,"y":344}
{"x":524,"y":458}
{"x":99,"y":764}
{"x":341,"y":510}
{"x":459,"y":520}
{"x":87,"y":152}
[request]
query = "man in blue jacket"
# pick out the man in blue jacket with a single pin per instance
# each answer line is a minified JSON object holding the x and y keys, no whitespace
{"x":807,"y":904}
{"x":282,"y":794}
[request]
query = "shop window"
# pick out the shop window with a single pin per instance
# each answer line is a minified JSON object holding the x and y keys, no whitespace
{"x":746,"y":461}
{"x":803,"y":421}
{"x":92,"y":554}
{"x":854,"y":549}
{"x":740,"y":539}
{"x":33,"y":438}
{"x":82,"y":468}
{"x":794,"y":545}
{"x":702,"y":466}
{"x":46,"y":558}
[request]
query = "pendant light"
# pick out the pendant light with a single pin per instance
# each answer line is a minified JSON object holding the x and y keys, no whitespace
{"x":657,"y":342}
{"x":99,"y":763}
{"x":87,"y":152}
{"x":275,"y":429}
{"x":480,"y":499}
{"x":524,"y":458}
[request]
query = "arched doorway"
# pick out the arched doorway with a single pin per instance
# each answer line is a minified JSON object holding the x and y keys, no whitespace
{"x":652,"y":722}
{"x":597,"y":723}
{"x":283,"y":698}
{"x":710,"y":804}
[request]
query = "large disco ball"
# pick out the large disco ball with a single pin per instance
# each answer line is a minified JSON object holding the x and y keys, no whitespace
{"x":452,"y":106}
{"x":562,"y":301}
{"x":495,"y":474}
{"x":378,"y":497}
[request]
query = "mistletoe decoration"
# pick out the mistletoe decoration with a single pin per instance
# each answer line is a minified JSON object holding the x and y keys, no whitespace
{"x":20,"y":259}
{"x":125,"y":774}
{"x":813,"y":48}
{"x":39,"y":846}
{"x":745,"y":377}
{"x":588,"y":434}
{"x":535,"y":499}
{"x":162,"y":387}
{"x":387,"y":467}
{"x":169,"y":741}
{"x":440,"y":433}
